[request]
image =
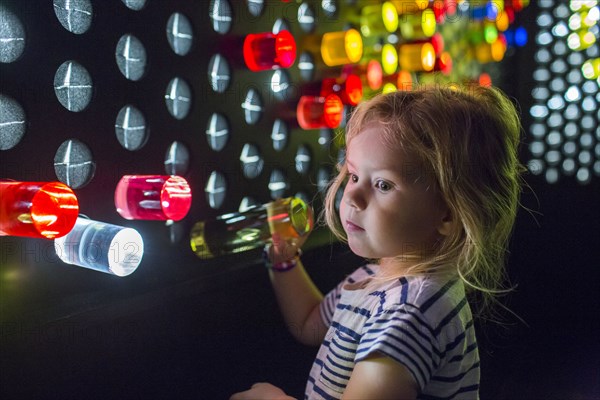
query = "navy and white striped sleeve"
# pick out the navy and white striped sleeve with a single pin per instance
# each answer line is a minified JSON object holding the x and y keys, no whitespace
{"x":329,"y":303}
{"x":403,"y":334}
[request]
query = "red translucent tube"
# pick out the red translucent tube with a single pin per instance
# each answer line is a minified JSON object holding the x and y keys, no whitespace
{"x":315,"y":112}
{"x":37,"y":209}
{"x":443,"y":63}
{"x":264,"y":51}
{"x":153,"y":197}
{"x":349,"y":90}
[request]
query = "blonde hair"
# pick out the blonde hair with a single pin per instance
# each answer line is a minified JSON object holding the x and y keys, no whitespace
{"x":467,"y":141}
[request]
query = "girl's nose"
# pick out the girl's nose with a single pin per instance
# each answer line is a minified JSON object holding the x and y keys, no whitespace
{"x":354,"y":198}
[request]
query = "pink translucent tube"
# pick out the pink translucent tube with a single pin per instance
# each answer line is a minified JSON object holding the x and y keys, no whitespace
{"x":153,"y":197}
{"x":37,"y":209}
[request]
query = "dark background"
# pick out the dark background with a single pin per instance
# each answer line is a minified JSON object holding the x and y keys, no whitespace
{"x":186,"y":328}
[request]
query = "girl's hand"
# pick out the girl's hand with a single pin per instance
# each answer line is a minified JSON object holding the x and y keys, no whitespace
{"x":262,"y":391}
{"x":281,"y":250}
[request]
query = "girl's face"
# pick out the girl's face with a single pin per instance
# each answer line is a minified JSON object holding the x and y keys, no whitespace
{"x":385,"y":213}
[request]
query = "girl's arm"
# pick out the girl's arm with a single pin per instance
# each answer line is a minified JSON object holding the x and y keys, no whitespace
{"x":380,"y":377}
{"x":297,"y":295}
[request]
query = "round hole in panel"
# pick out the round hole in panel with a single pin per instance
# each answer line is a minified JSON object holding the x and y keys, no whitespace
{"x":178,"y":98}
{"x":540,"y":93}
{"x":219,"y":73}
{"x":248,"y":203}
{"x":323,"y":178}
{"x":177,"y":159}
{"x":221,"y":15}
{"x":280,"y":85}
{"x":279,"y":25}
{"x":73,"y":86}
{"x":570,"y":149}
{"x":131,"y":57}
{"x":74,"y":15}
{"x":306,"y":65}
{"x":180,"y":34}
{"x":552,"y":175}
{"x":341,"y":156}
{"x":252,"y":161}
{"x":325,"y":137}
{"x":13,"y":123}
{"x":12,"y":36}
{"x":329,"y":7}
{"x":252,"y":106}
{"x":568,"y":166}
{"x":535,"y":166}
{"x":73,"y":164}
{"x":217,"y":131}
{"x":306,"y":17}
{"x":583,"y":175}
{"x":216,"y":189}
{"x":303,"y":159}
{"x":586,"y":141}
{"x":134,"y":5}
{"x":130,"y":128}
{"x":176,"y":230}
{"x":278,"y":184}
{"x":537,"y":148}
{"x":279,"y":134}
{"x":256,"y":7}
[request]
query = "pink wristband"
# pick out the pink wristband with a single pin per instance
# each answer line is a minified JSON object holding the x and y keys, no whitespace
{"x":281,"y":266}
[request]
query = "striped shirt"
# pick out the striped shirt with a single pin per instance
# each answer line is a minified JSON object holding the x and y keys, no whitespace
{"x":423,"y":322}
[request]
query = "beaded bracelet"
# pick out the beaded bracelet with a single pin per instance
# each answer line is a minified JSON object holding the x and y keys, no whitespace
{"x":281,"y":266}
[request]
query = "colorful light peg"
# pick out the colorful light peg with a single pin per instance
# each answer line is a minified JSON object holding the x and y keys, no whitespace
{"x":389,"y":58}
{"x":405,"y":7}
{"x":314,"y":112}
{"x":518,"y":5}
{"x":339,"y":48}
{"x":516,"y":37}
{"x":263,"y":51}
{"x":237,"y":232}
{"x":370,"y":73}
{"x":378,"y":19}
{"x":349,"y":90}
{"x":388,"y":87}
{"x":490,"y":33}
{"x":416,"y":57}
{"x":591,"y":68}
{"x":374,"y":74}
{"x":153,"y":197}
{"x":443,"y":63}
{"x":102,"y":247}
{"x":417,"y":26}
{"x":486,"y":52}
{"x":485,"y":80}
{"x":439,"y":8}
{"x":486,"y":9}
{"x":503,"y":21}
{"x":581,"y":40}
{"x":37,"y":209}
{"x":403,"y":80}
{"x":437,"y":41}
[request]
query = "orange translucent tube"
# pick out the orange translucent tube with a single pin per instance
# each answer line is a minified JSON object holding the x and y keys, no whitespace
{"x":339,"y":48}
{"x":37,"y":209}
{"x":417,"y":57}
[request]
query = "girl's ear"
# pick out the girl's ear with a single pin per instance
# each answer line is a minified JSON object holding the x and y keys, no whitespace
{"x":447,"y":224}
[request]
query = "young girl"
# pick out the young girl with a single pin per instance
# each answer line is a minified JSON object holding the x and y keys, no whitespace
{"x":432,"y":182}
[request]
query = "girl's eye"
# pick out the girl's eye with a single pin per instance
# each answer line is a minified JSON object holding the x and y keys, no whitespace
{"x":383,"y":186}
{"x":353,"y":178}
